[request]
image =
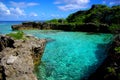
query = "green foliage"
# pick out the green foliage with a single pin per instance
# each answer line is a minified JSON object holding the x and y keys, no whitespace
{"x":111,"y":70}
{"x":117,"y":49}
{"x":114,"y":27}
{"x":52,"y":21}
{"x":18,"y":35}
{"x":77,"y":17}
{"x":112,"y":16}
{"x":93,"y":15}
{"x":118,"y":76}
{"x":57,"y":21}
{"x":97,"y":15}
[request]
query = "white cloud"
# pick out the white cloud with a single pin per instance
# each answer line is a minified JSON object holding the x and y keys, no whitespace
{"x":8,"y":12}
{"x":33,"y":14}
{"x":66,"y":5}
{"x":23,"y":4}
{"x":57,"y":2}
{"x":115,"y":3}
{"x":17,"y":12}
{"x":70,"y":7}
{"x":32,"y":4}
{"x":4,"y":10}
{"x":112,"y":2}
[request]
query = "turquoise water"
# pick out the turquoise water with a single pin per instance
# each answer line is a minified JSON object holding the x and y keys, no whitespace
{"x":5,"y":26}
{"x":68,"y":55}
{"x":71,"y":55}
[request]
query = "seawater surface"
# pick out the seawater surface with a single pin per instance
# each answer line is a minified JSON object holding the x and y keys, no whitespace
{"x":68,"y":55}
{"x":71,"y":55}
{"x":5,"y":26}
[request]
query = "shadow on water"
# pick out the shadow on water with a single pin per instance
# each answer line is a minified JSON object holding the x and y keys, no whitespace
{"x":92,"y":33}
{"x":100,"y":54}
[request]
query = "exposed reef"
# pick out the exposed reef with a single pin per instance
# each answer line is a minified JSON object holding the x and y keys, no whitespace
{"x":18,"y":58}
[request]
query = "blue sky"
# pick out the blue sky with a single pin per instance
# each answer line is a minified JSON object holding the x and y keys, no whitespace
{"x":12,"y":10}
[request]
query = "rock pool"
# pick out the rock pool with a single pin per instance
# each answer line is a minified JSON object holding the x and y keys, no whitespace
{"x":71,"y":55}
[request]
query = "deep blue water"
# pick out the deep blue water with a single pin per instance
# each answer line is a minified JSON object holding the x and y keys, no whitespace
{"x":68,"y":55}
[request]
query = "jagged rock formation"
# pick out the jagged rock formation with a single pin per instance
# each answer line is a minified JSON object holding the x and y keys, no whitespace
{"x":85,"y":27}
{"x":18,"y":58}
{"x":5,"y":42}
{"x":27,"y":25}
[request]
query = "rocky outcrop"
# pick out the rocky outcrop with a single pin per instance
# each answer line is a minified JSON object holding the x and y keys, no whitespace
{"x":5,"y":42}
{"x":27,"y":25}
{"x":85,"y":27}
{"x":18,"y":58}
{"x":110,"y":68}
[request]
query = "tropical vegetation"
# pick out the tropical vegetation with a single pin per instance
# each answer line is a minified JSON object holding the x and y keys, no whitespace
{"x":102,"y":17}
{"x":16,"y":35}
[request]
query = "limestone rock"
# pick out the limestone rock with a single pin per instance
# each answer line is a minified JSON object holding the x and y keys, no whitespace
{"x":27,"y":25}
{"x":18,"y":62}
{"x":11,"y":59}
{"x":5,"y":42}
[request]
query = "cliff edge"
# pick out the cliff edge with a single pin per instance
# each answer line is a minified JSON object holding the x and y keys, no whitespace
{"x":18,"y":58}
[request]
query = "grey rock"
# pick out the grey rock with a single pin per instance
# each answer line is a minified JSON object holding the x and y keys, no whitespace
{"x":18,"y":63}
{"x":11,"y":59}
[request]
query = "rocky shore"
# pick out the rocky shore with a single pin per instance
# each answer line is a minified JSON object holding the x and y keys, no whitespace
{"x":110,"y":68}
{"x":18,"y":58}
{"x":27,"y":25}
{"x":85,"y":27}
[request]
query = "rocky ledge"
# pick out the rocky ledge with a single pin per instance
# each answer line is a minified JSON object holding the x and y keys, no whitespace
{"x":18,"y":58}
{"x":27,"y":25}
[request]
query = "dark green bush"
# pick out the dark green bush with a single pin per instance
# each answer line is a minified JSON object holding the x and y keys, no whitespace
{"x":114,"y":27}
{"x":111,"y":70}
{"x":117,"y":49}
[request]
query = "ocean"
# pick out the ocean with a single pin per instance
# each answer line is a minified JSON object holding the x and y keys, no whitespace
{"x":68,"y":55}
{"x":5,"y":26}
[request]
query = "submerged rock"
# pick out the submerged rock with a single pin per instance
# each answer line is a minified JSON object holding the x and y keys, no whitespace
{"x":18,"y":58}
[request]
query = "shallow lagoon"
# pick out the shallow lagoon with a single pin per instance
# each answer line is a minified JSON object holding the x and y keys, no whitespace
{"x":68,"y":55}
{"x":71,"y":55}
